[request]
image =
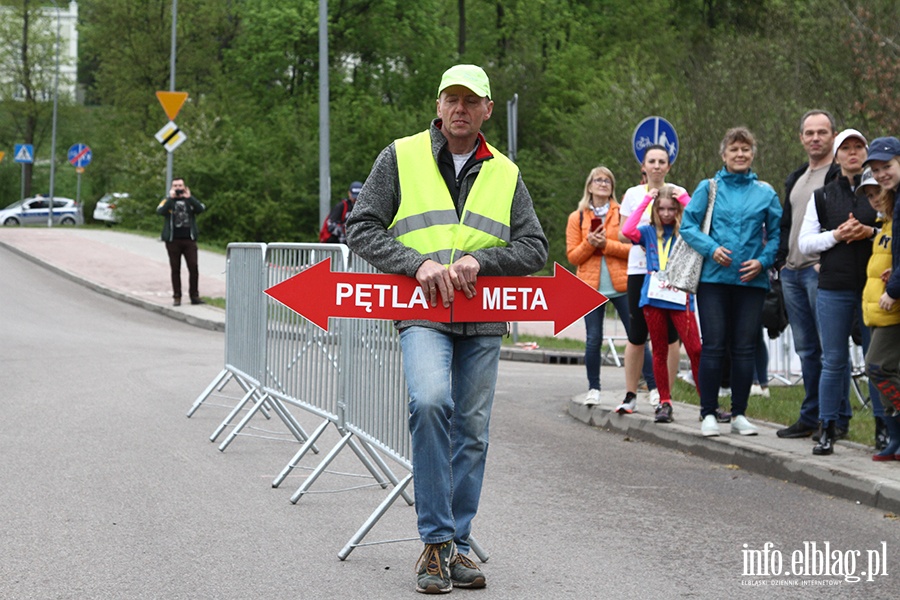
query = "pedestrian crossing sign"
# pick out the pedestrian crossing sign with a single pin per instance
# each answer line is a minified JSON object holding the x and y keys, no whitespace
{"x":24,"y":153}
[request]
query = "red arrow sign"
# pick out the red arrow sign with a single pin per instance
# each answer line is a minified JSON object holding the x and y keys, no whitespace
{"x":562,"y":298}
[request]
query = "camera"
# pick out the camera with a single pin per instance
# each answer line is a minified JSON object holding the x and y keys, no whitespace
{"x":179,"y":193}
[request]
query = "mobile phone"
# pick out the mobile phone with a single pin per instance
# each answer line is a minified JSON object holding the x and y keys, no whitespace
{"x":596,"y":222}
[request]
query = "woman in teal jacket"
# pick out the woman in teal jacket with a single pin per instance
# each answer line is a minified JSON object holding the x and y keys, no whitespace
{"x":738,"y":251}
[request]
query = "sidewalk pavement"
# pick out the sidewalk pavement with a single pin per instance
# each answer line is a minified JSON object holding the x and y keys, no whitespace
{"x":135,"y":269}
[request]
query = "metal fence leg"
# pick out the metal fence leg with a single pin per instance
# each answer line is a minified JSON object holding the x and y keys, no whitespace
{"x":367,"y":463}
{"x":243,"y":423}
{"x":209,"y":389}
{"x":320,"y":468}
{"x":301,"y":453}
{"x":289,"y":421}
{"x":225,"y":381}
{"x":478,"y":550}
{"x":374,"y":517}
{"x":234,"y":411}
{"x":386,"y":469}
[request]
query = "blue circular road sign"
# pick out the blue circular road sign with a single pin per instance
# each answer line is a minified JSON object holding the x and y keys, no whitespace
{"x":654,"y":130}
{"x":80,"y":155}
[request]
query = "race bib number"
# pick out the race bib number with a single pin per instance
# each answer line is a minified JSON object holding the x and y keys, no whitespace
{"x":659,"y":290}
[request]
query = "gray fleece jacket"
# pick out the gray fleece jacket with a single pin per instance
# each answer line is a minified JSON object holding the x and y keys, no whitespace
{"x":378,"y":202}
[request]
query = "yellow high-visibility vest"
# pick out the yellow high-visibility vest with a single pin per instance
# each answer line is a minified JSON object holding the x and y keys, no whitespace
{"x":427,"y":221}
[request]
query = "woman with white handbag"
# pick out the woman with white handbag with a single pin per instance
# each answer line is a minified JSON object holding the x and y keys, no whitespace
{"x":733,"y":279}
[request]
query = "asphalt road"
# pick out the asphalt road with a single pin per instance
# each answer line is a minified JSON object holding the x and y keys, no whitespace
{"x":108,"y":491}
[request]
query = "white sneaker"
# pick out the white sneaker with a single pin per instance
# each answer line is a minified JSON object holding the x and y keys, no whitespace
{"x":724,"y":392}
{"x":742,"y":426}
{"x":653,"y":397}
{"x":628,"y":406}
{"x":758,"y":390}
{"x":709,"y":427}
{"x":592,"y":398}
{"x":687,"y":377}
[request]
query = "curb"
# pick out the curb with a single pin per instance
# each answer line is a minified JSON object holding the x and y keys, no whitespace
{"x":194,"y":320}
{"x":828,"y":476}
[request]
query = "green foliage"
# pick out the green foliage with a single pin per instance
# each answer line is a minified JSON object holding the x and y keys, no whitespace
{"x":586,"y":72}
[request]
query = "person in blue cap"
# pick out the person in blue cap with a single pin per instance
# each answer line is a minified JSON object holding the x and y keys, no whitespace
{"x":883,"y":357}
{"x":446,"y":207}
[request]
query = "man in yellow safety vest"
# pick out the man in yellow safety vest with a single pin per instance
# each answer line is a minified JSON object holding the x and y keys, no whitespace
{"x":444,"y":206}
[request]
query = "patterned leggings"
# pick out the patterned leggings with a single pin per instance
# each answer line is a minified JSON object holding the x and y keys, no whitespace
{"x":658,"y":320}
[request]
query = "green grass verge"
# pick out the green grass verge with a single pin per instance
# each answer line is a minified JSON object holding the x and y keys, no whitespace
{"x":782,"y":407}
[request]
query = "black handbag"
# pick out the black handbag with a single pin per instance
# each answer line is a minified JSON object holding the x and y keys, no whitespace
{"x":774,"y":314}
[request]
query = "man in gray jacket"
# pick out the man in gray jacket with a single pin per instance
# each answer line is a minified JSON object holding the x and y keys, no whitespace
{"x":446,"y":217}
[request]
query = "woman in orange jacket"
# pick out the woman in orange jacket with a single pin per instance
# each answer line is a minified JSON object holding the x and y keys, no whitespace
{"x":593,"y":246}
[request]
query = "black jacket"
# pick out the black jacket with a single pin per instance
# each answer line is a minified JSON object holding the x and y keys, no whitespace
{"x":843,"y":267}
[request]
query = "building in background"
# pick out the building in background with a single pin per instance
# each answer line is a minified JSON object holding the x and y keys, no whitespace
{"x":42,"y":32}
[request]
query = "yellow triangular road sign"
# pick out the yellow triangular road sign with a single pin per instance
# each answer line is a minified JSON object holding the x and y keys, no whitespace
{"x":172,"y":102}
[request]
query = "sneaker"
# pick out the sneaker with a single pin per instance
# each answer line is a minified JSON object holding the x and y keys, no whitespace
{"x":687,"y":377}
{"x":629,"y":405}
{"x":592,"y":398}
{"x":433,"y":569}
{"x":176,"y":302}
{"x":709,"y":427}
{"x":742,"y":426}
{"x":653,"y":397}
{"x":758,"y":390}
{"x":797,"y":430}
{"x":464,"y":573}
{"x":724,"y":392}
{"x":664,"y":412}
{"x":722,"y":416}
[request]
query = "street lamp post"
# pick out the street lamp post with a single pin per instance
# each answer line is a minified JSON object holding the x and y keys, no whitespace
{"x":55,"y":107}
{"x":169,"y":159}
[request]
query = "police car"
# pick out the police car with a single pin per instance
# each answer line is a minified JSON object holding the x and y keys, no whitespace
{"x":34,"y":211}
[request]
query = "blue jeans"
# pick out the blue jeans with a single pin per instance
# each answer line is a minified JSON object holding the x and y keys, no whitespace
{"x":836,"y":310}
{"x":800,"y":289}
{"x":593,"y":325}
{"x":730,"y":318}
{"x":451,"y":383}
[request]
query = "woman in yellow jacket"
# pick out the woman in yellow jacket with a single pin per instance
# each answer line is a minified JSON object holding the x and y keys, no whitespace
{"x":593,"y":246}
{"x":885,"y":324}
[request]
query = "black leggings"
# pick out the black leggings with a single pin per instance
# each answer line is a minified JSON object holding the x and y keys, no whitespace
{"x":638,"y":333}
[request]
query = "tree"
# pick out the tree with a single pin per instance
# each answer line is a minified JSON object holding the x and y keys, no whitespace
{"x":28,"y":62}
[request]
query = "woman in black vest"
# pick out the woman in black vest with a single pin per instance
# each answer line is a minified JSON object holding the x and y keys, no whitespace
{"x":840,"y":226}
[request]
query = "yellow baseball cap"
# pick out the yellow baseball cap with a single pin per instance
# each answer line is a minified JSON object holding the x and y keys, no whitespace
{"x":470,"y":76}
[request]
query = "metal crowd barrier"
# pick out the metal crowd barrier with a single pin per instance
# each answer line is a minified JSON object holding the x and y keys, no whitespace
{"x":306,"y":365}
{"x":244,"y":274}
{"x":350,"y":376}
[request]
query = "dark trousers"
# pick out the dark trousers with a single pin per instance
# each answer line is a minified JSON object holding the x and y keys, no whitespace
{"x":730,"y":318}
{"x":187,"y":248}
